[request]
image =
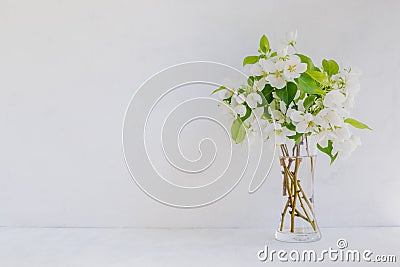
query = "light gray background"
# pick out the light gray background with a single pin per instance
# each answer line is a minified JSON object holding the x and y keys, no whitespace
{"x":69,"y":68}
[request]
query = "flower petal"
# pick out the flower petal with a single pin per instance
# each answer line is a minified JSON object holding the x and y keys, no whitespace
{"x":256,"y":70}
{"x":259,"y":85}
{"x":296,"y":116}
{"x":241,"y":110}
{"x":268,"y":65}
{"x":301,"y":127}
{"x":301,"y":67}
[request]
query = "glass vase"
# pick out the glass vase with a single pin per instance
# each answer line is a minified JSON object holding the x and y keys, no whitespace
{"x":297,"y":220}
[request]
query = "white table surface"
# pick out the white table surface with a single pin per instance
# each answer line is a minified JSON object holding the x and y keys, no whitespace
{"x":174,"y":247}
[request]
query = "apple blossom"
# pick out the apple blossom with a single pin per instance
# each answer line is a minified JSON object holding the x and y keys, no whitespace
{"x":256,"y":69}
{"x":260,"y":84}
{"x":226,"y":93}
{"x":253,"y":100}
{"x":237,"y":104}
{"x":334,"y":99}
{"x":294,"y":68}
{"x":328,"y":118}
{"x":277,"y":132}
{"x":275,"y":77}
{"x":305,"y":123}
{"x":293,"y":100}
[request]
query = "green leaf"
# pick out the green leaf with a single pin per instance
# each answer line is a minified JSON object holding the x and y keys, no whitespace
{"x":250,"y":60}
{"x":307,"y":84}
{"x":309,"y":101}
{"x":328,"y":150}
{"x":357,"y":124}
{"x":296,"y":137}
{"x":290,"y":126}
{"x":287,"y":93}
{"x":238,"y":131}
{"x":330,"y":66}
{"x":318,"y":76}
{"x":308,"y":61}
{"x":302,"y":94}
{"x":264,"y":44}
{"x":320,"y":92}
{"x":250,"y":80}
{"x":219,"y":89}
{"x":267,"y":92}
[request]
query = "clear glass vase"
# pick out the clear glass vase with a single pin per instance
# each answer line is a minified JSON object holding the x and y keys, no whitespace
{"x":297,"y":220}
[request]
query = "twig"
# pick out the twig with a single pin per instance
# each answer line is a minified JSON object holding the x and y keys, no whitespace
{"x":283,"y":215}
{"x":293,"y":188}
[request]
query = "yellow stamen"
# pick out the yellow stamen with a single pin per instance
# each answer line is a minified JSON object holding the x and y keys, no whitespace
{"x":292,"y":68}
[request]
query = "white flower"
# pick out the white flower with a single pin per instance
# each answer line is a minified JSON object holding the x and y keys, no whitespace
{"x":281,"y":134}
{"x":278,"y":132}
{"x":338,"y":80}
{"x":253,"y":100}
{"x":343,"y":141}
{"x":240,"y":109}
{"x":254,"y":120}
{"x":237,"y":104}
{"x":283,"y":53}
{"x":352,"y":88}
{"x":334,"y":99}
{"x":224,"y":94}
{"x":305,"y":123}
{"x":323,"y":137}
{"x":349,"y":84}
{"x":329,"y":118}
{"x":291,"y":38}
{"x":267,"y":65}
{"x":346,"y":80}
{"x":294,"y":68}
{"x":260,"y":84}
{"x":289,"y":112}
{"x":352,"y":85}
{"x":349,"y":103}
{"x":256,"y":130}
{"x":275,"y":77}
{"x":256,"y":69}
{"x":267,"y":129}
{"x":346,"y":147}
{"x":278,"y":114}
{"x":237,"y":100}
{"x":258,"y":112}
{"x":342,"y":133}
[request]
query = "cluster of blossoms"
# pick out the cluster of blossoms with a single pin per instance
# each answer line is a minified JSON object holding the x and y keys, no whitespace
{"x":287,"y":98}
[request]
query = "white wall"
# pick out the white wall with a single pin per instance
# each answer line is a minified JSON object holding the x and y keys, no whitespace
{"x":69,"y":68}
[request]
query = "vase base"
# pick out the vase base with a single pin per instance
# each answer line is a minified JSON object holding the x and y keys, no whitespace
{"x":298,"y":236}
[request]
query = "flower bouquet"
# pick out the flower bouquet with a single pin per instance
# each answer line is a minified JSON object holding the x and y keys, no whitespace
{"x":301,"y":107}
